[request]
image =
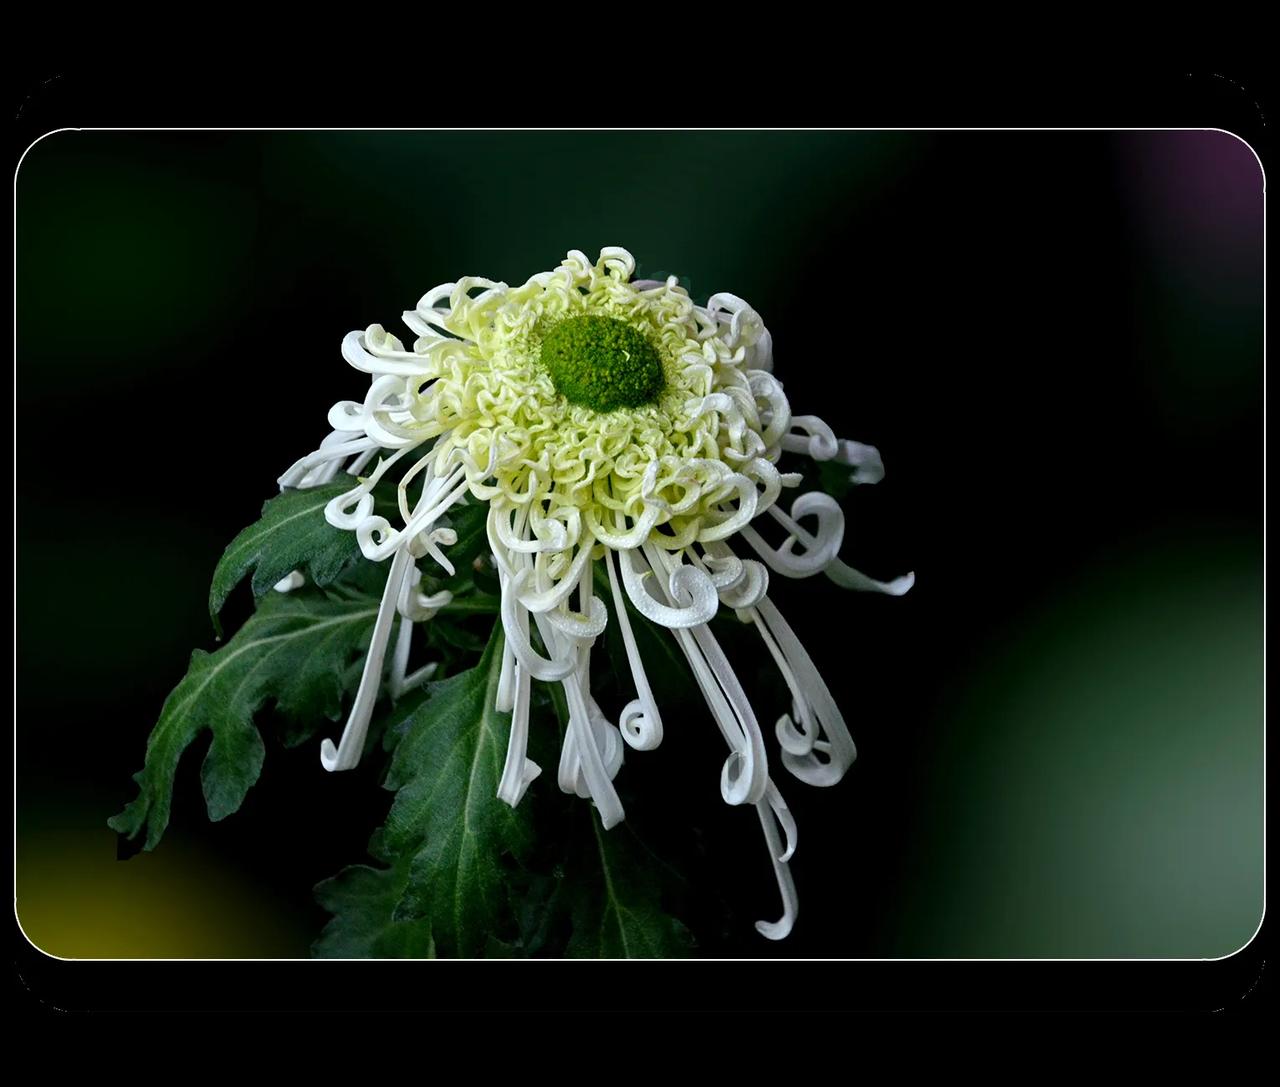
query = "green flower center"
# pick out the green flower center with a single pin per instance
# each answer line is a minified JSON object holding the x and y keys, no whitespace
{"x":602,"y":363}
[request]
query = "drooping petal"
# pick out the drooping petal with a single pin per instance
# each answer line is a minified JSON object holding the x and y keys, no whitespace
{"x":583,"y":761}
{"x":816,"y":759}
{"x":514,"y":625}
{"x":346,"y":754}
{"x":518,"y":770}
{"x":820,"y":547}
{"x":770,"y":818}
{"x":809,"y":434}
{"x":849,"y":578}
{"x":640,"y":722}
{"x":686,"y":584}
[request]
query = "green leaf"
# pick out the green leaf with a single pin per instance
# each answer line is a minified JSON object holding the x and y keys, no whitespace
{"x":295,"y":650}
{"x":362,"y":901}
{"x":292,"y":534}
{"x":441,"y":635}
{"x":446,"y":770}
{"x":447,"y":820}
{"x":539,"y":904}
{"x":617,"y":903}
{"x":500,"y":949}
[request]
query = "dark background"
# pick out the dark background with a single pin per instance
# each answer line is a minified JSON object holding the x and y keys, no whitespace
{"x":1054,"y":338}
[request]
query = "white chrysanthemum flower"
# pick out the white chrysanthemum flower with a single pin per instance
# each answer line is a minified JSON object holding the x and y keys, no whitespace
{"x":602,"y":420}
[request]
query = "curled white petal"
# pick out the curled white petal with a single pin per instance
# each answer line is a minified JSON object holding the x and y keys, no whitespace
{"x":515,"y":627}
{"x":376,"y":352}
{"x":518,"y":770}
{"x":361,"y":461}
{"x":618,"y":260}
{"x":729,"y":309}
{"x":428,"y":315}
{"x":348,"y":415}
{"x":849,"y":578}
{"x":400,"y":679}
{"x":640,"y":722}
{"x":384,"y":412}
{"x":817,"y":760}
{"x":582,"y":760}
{"x":579,"y":626}
{"x":785,"y":820}
{"x":723,"y":567}
{"x":308,"y":471}
{"x":350,"y":509}
{"x":764,"y":351}
{"x":626,"y":540}
{"x":505,"y":698}
{"x":745,"y":773}
{"x":780,"y":929}
{"x":414,"y":604}
{"x":554,"y":535}
{"x":809,"y":434}
{"x":773,"y":407}
{"x":400,"y":657}
{"x":606,"y":734}
{"x":748,"y":503}
{"x":820,"y":547}
{"x":744,"y":776}
{"x":865,"y":460}
{"x":378,"y":539}
{"x":688,"y":585}
{"x":747,"y":592}
{"x":543,"y":600}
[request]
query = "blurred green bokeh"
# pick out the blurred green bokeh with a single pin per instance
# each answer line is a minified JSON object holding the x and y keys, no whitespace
{"x":75,"y":900}
{"x":1096,"y":790}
